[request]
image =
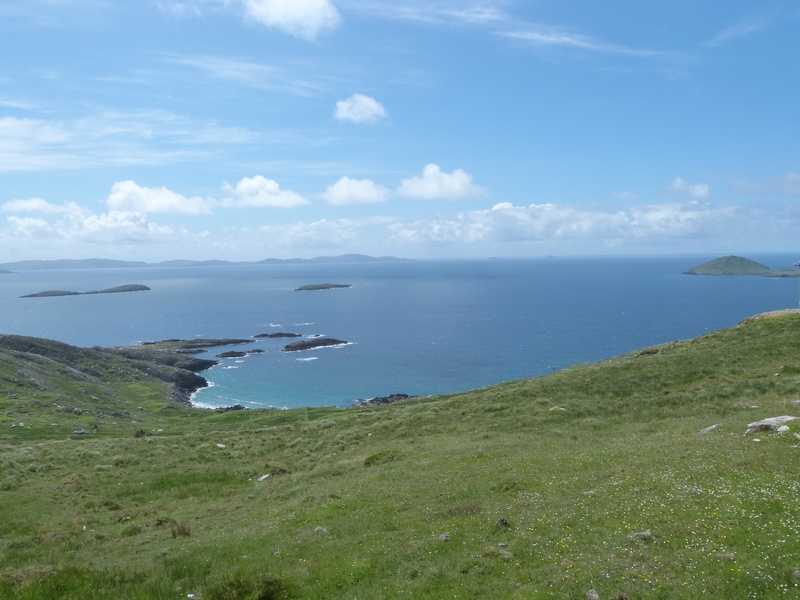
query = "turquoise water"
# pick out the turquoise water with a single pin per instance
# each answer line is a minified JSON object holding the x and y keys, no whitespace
{"x":416,"y":327}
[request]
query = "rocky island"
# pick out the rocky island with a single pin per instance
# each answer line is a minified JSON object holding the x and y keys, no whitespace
{"x":133,"y":287}
{"x":314,"y":287}
{"x":279,"y":334}
{"x":319,"y":342}
{"x":239,"y":353}
{"x":737,"y":265}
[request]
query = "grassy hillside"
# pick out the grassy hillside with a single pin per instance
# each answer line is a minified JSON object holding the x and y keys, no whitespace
{"x":596,"y":477}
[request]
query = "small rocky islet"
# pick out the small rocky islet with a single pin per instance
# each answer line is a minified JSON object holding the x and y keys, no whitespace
{"x":315,"y":287}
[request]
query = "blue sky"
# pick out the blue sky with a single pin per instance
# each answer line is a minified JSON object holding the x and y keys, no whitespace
{"x":247,"y":129}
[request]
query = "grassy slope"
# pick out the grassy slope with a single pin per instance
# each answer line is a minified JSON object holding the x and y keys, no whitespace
{"x":405,"y":500}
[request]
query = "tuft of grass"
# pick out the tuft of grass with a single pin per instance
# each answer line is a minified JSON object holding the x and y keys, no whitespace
{"x":382,"y":457}
{"x":180,"y":529}
{"x":249,"y":586}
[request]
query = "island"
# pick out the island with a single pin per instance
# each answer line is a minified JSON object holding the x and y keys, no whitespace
{"x":279,"y":334}
{"x":319,"y":342}
{"x":737,"y":265}
{"x":239,"y":353}
{"x":315,"y":287}
{"x":133,"y":287}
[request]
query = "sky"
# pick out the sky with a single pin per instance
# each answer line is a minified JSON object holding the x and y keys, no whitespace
{"x":247,"y":129}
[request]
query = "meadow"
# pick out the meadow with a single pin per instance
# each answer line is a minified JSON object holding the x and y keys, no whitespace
{"x":598,"y":477}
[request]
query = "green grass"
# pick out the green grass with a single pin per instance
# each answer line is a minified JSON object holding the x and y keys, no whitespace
{"x":529,"y":489}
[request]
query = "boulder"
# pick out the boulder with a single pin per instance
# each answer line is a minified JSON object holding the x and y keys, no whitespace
{"x":709,"y":429}
{"x":772,"y":423}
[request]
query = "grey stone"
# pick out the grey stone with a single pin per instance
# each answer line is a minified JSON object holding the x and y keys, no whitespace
{"x":770,"y":423}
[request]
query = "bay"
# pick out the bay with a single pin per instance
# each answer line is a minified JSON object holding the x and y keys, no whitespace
{"x":415,"y":327}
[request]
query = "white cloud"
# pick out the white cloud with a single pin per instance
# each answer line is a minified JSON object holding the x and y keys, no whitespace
{"x":260,"y":192}
{"x":438,"y":13}
{"x":359,"y":108}
{"x":118,"y":226}
{"x":110,"y":138}
{"x":355,"y":191}
{"x":76,"y":228}
{"x":434,"y":185}
{"x":130,"y":197}
{"x":552,"y":38}
{"x":304,"y":19}
{"x":747,"y":27}
{"x":287,"y":77}
{"x":27,"y":227}
{"x":698,"y":191}
{"x":505,"y":222}
{"x":330,"y":234}
{"x":35,"y":205}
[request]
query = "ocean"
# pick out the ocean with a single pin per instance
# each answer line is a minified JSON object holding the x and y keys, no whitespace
{"x":420,"y":327}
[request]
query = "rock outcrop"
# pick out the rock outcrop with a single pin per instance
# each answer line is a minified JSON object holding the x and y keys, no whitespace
{"x":319,"y":342}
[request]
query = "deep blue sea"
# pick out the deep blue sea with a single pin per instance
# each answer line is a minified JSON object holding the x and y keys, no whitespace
{"x":415,"y":327}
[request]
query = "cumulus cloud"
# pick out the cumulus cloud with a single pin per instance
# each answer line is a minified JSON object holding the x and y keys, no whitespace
{"x":124,"y":227}
{"x":77,"y":226}
{"x":27,"y":227}
{"x":435,"y":185}
{"x":130,"y":197}
{"x":260,"y":192}
{"x":36,"y":205}
{"x":505,"y":222}
{"x":355,"y":191}
{"x":304,"y":19}
{"x":359,"y":108}
{"x":698,"y":191}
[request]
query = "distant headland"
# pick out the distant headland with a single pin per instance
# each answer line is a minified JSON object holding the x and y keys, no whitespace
{"x":102,"y":263}
{"x":737,"y":265}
